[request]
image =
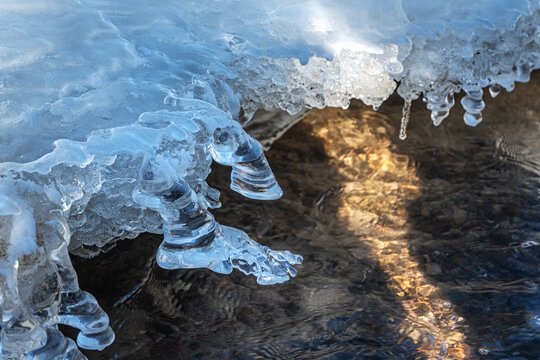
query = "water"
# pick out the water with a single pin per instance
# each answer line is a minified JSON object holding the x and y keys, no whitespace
{"x":426,"y":248}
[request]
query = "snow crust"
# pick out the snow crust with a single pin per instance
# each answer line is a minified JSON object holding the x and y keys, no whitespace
{"x":112,"y":112}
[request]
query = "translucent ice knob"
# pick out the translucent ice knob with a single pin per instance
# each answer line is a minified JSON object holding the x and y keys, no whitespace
{"x":251,"y":175}
{"x":473,"y":105}
{"x":255,"y":179}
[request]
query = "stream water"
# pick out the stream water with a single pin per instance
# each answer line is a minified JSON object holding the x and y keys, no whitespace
{"x":426,"y":248}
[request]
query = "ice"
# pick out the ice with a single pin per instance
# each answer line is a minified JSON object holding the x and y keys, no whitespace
{"x":473,"y":105}
{"x":111,"y":114}
{"x":405,"y":115}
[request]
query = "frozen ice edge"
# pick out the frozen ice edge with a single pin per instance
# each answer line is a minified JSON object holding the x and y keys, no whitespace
{"x":69,"y":178}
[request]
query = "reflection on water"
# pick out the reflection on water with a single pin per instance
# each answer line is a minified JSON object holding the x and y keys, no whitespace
{"x":418,"y":249}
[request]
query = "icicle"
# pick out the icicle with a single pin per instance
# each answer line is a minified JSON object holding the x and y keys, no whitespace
{"x":473,"y":105}
{"x":494,"y":90}
{"x":441,"y":110}
{"x":251,"y":175}
{"x":405,"y":113}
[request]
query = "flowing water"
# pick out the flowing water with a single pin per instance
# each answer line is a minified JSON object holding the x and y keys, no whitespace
{"x":426,"y":248}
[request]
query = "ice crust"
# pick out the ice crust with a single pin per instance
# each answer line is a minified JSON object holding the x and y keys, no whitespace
{"x":112,"y":112}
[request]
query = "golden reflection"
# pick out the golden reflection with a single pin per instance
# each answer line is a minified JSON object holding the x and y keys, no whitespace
{"x":378,"y":184}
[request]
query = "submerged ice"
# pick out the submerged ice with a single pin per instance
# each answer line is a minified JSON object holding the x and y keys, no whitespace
{"x":112,"y":113}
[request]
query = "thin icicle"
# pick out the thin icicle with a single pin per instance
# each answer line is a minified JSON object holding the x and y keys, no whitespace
{"x":405,"y":113}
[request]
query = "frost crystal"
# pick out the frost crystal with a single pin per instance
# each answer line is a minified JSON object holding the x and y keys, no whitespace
{"x":112,"y":112}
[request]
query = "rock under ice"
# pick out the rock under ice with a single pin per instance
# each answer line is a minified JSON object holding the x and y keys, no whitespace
{"x":112,"y":112}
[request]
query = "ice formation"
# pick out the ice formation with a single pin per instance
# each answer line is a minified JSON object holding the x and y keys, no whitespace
{"x":112,"y":112}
